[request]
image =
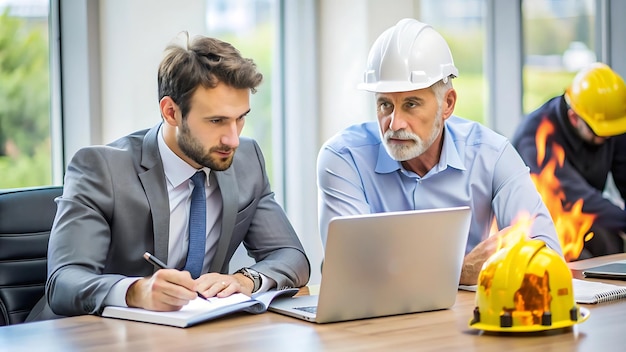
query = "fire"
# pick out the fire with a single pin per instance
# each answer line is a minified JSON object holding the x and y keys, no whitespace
{"x":572,"y":225}
{"x":517,"y":232}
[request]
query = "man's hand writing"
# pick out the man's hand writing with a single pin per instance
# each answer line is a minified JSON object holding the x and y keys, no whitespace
{"x":166,"y":290}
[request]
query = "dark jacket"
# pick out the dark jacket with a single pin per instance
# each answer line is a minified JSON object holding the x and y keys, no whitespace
{"x":586,"y":167}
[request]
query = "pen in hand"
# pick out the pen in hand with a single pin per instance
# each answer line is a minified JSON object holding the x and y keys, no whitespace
{"x":159,"y":264}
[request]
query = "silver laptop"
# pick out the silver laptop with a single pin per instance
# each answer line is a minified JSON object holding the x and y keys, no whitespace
{"x":386,"y":264}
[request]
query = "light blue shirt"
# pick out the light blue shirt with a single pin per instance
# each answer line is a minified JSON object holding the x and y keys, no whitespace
{"x":477,"y":168}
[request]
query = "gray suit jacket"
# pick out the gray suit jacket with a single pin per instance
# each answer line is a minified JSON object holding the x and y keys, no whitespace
{"x":115,"y":207}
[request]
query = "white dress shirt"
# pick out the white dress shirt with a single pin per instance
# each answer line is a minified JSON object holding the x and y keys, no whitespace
{"x":179,"y":187}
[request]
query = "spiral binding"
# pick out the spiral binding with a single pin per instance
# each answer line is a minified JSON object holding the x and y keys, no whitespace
{"x":595,"y":292}
{"x":611,"y":295}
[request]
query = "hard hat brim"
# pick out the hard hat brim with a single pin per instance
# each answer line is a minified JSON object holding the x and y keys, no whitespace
{"x":391,"y":86}
{"x":608,"y":128}
{"x":584,"y":315}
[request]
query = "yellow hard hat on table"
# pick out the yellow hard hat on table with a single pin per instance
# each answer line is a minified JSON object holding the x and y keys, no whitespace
{"x":523,"y":288}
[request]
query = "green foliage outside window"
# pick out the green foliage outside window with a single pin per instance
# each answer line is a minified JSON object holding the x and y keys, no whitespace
{"x":467,"y":51}
{"x":24,"y":103}
{"x":542,"y":85}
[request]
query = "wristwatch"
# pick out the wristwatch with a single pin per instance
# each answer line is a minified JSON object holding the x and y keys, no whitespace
{"x":252,"y":275}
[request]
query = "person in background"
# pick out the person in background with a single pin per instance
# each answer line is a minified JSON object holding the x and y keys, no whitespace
{"x":588,"y":123}
{"x":420,"y":156}
{"x":135,"y":195}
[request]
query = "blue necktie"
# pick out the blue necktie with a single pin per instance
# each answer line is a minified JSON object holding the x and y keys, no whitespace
{"x":197,"y":226}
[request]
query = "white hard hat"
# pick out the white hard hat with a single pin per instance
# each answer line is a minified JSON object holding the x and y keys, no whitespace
{"x":408,"y":56}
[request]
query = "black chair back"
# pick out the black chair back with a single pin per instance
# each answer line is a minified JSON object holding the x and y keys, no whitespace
{"x":26,"y":217}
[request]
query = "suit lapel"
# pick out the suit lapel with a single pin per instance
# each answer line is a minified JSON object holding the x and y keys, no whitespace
{"x":153,"y":182}
{"x":228,"y":188}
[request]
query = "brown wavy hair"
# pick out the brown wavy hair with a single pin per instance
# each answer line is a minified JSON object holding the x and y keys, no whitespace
{"x":204,"y":61}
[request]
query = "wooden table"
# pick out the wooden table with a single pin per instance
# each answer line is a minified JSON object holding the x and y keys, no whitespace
{"x":605,"y":330}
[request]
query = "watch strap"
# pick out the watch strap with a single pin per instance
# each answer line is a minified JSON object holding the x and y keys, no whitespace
{"x":252,"y":275}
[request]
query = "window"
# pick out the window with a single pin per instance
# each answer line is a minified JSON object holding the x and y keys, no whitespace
{"x":558,"y":41}
{"x":25,"y":132}
{"x":252,"y":27}
{"x":461,"y":23}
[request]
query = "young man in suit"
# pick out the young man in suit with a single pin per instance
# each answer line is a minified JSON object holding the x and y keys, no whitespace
{"x":135,"y":195}
{"x":419,"y":156}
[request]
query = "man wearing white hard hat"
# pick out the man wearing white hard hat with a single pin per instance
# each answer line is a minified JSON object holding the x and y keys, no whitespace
{"x":420,"y":156}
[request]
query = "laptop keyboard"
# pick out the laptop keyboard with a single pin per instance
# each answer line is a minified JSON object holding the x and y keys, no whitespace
{"x":309,"y":309}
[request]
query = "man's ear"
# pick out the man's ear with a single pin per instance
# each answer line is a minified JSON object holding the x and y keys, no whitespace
{"x":449,"y":101}
{"x":168,"y":110}
{"x":572,"y":117}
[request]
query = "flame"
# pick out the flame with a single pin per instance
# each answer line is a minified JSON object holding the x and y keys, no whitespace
{"x":572,"y":225}
{"x":518,"y":231}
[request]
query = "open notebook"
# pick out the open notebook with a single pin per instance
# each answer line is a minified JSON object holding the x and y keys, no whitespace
{"x":200,"y":310}
{"x":586,"y":291}
{"x":385,"y":264}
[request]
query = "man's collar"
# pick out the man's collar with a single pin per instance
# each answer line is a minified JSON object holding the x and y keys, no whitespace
{"x":449,"y":156}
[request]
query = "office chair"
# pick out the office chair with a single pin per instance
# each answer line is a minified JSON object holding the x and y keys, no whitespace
{"x":26,"y":217}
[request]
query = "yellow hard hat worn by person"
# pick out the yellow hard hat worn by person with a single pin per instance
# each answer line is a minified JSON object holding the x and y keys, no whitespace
{"x":598,"y":95}
{"x":523,"y":288}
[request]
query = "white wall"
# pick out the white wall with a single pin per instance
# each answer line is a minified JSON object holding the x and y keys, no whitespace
{"x":347,"y":30}
{"x":132,"y":40}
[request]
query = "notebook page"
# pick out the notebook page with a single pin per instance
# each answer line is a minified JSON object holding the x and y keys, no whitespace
{"x":586,"y":291}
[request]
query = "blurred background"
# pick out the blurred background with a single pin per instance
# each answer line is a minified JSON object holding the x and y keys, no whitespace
{"x":83,"y":72}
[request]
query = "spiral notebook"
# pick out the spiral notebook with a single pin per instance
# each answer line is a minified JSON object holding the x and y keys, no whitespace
{"x":586,"y":291}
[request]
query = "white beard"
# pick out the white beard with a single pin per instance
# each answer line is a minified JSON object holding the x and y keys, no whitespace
{"x":407,"y":152}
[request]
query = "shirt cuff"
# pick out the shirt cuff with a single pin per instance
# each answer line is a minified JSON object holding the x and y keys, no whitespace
{"x":117,"y":294}
{"x":266,"y":284}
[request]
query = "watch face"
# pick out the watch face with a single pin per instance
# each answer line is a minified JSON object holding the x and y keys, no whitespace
{"x":254,"y":273}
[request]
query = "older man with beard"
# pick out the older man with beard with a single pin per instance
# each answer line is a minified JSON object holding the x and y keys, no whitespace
{"x":420,"y":156}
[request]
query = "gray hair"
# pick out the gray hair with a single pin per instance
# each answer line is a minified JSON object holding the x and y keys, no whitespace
{"x":440,"y":88}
